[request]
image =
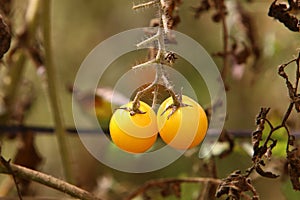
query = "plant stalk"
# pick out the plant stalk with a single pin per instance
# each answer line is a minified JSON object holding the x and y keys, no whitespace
{"x":53,"y":96}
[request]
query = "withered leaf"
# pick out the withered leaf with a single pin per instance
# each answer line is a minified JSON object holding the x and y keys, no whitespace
{"x":263,"y":173}
{"x":256,"y":138}
{"x":281,"y":12}
{"x":268,"y":153}
{"x":234,"y":185}
{"x":293,"y":159}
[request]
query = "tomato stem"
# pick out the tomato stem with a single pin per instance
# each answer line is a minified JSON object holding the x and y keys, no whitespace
{"x":139,"y":94}
{"x":177,"y":103}
{"x":162,"y":56}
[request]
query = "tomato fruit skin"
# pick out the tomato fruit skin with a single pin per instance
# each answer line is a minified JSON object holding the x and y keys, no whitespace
{"x":186,"y":127}
{"x":134,"y":134}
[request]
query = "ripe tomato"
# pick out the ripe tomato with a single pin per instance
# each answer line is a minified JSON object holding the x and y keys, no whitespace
{"x":186,"y":127}
{"x":134,"y":134}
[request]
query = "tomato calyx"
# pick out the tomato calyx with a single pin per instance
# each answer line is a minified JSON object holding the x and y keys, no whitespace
{"x":134,"y":109}
{"x":177,"y":103}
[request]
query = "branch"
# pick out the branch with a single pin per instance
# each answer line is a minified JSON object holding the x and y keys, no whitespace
{"x":159,"y":182}
{"x":6,"y":164}
{"x":50,"y":181}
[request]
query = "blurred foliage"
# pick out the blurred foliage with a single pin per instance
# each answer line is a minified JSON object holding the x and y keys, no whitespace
{"x":78,"y":26}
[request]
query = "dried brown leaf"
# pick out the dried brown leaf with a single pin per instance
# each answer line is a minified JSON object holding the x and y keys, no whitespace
{"x":293,"y":159}
{"x":263,"y":173}
{"x":234,"y":185}
{"x":282,"y":13}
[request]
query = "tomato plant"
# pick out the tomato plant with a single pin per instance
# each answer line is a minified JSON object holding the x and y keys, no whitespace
{"x":134,"y":133}
{"x":186,"y":127}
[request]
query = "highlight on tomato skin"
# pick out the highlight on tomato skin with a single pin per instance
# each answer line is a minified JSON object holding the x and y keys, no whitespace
{"x":185,"y":128}
{"x":134,"y":134}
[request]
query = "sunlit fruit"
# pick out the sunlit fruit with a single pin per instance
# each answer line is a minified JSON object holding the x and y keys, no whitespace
{"x":186,"y":127}
{"x":134,"y":133}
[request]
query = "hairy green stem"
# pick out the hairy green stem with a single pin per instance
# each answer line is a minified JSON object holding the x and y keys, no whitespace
{"x":52,"y":90}
{"x":159,"y":59}
{"x":140,"y":93}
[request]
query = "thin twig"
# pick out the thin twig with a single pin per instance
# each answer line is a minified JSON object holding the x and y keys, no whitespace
{"x":143,"y":64}
{"x":50,"y":181}
{"x":6,"y":164}
{"x":144,"y":5}
{"x":225,"y":42}
{"x":297,"y":73}
{"x":52,"y":89}
{"x":148,"y":40}
{"x":287,"y":114}
{"x":159,"y":182}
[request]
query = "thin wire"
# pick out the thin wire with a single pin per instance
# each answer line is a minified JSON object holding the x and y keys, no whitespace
{"x":49,"y":130}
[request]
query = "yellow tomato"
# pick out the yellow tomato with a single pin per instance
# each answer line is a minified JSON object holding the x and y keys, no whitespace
{"x":185,"y":128}
{"x":134,"y":134}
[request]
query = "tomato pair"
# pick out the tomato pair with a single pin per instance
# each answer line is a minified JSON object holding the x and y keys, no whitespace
{"x":183,"y":129}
